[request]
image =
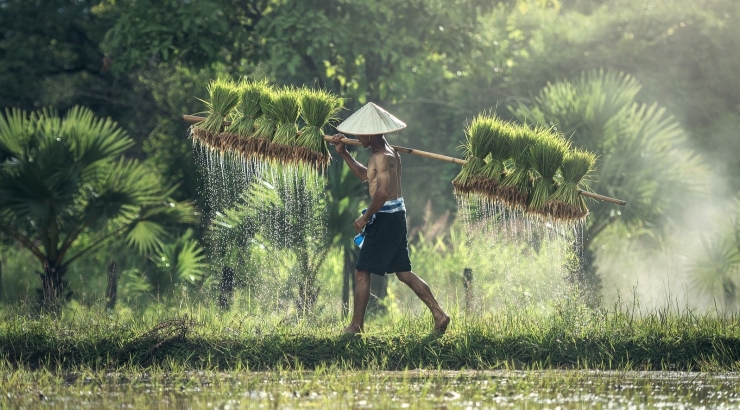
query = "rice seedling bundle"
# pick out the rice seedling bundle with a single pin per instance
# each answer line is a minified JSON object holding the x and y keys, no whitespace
{"x":285,"y":109}
{"x":318,"y":108}
{"x":264,"y":125}
{"x":567,"y":203}
{"x":501,"y":133}
{"x":546,"y":157}
{"x":222,"y":98}
{"x":248,"y":109}
{"x":478,"y":135}
{"x":515,"y":186}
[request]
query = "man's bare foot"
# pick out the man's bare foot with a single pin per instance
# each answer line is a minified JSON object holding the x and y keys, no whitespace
{"x":441,"y":323}
{"x":352,"y":330}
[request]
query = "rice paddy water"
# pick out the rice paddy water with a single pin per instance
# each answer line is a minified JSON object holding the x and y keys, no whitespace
{"x":330,"y":389}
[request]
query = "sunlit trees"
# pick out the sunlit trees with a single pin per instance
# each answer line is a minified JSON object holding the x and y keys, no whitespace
{"x":61,"y":178}
{"x":642,"y":155}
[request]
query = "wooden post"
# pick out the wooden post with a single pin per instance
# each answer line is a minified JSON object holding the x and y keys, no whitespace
{"x":227,"y":288}
{"x":111,"y":292}
{"x":468,"y":285}
{"x":347,"y":275}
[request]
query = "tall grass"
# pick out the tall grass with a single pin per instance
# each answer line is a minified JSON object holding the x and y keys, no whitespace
{"x":572,"y":336}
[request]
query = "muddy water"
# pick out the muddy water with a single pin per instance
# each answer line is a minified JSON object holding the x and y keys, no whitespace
{"x":365,"y":390}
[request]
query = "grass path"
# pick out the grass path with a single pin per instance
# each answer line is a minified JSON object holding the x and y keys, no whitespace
{"x":205,"y":339}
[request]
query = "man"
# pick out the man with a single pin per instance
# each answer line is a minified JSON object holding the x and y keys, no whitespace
{"x":384,"y":248}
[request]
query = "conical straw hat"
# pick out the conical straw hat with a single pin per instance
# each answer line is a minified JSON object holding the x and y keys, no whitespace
{"x":371,"y":120}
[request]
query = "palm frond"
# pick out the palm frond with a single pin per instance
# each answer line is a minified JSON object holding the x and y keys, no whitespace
{"x":145,"y":235}
{"x":180,"y":261}
{"x":92,"y":139}
{"x":16,"y":131}
{"x":718,"y":265}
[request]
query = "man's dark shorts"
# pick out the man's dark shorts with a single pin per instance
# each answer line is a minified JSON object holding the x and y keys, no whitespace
{"x":385,"y":249}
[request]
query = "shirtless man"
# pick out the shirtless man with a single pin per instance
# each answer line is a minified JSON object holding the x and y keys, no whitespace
{"x":385,"y":248}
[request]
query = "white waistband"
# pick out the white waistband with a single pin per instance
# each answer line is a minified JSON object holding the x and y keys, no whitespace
{"x":394,"y":205}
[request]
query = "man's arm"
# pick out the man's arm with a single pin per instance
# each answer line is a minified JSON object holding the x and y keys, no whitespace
{"x":382,"y":180}
{"x":358,"y":169}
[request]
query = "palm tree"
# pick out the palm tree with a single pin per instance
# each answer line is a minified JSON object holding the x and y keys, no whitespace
{"x":718,"y":266}
{"x":642,"y":157}
{"x":61,"y":178}
{"x":179,"y":262}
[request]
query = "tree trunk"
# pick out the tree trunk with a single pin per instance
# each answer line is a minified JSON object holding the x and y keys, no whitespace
{"x":347,"y":277}
{"x":111,"y":292}
{"x":729,"y":290}
{"x":308,"y":293}
{"x":584,"y":273}
{"x":378,"y":292}
{"x":468,"y":285}
{"x":227,"y":288}
{"x":53,"y":286}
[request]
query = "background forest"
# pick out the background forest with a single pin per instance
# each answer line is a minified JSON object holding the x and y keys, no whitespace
{"x":649,"y":85}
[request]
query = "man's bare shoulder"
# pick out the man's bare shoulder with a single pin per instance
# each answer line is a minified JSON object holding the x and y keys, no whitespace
{"x":384,"y":158}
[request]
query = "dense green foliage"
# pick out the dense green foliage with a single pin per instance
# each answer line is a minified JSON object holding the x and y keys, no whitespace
{"x":434,"y":64}
{"x":62,"y":178}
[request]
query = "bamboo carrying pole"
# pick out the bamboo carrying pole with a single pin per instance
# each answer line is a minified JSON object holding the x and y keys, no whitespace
{"x":349,"y":141}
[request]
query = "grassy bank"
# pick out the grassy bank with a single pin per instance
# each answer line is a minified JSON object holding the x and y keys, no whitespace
{"x":201,"y":338}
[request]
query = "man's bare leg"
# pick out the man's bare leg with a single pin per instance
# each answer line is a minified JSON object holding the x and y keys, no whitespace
{"x":441,"y":319}
{"x":361,"y":298}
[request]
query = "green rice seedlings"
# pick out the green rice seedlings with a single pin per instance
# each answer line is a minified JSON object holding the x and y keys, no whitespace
{"x":567,"y":203}
{"x":514,"y":188}
{"x":223,"y":98}
{"x":546,"y":157}
{"x":498,"y":153}
{"x":239,"y":136}
{"x":264,"y":125}
{"x":318,"y":108}
{"x":478,"y":136}
{"x":285,"y":110}
{"x":248,"y":109}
